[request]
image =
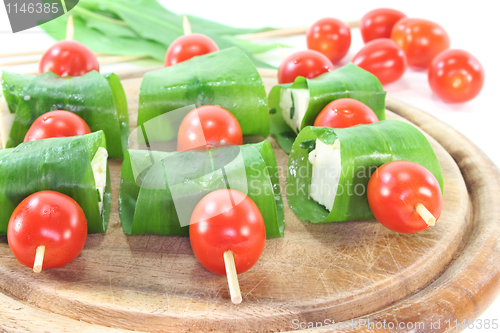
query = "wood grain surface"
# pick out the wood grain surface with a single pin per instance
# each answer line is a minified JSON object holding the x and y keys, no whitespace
{"x":335,"y":271}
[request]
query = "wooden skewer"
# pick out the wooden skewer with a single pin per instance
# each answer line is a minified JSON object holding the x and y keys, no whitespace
{"x":109,"y":60}
{"x":70,"y":29}
{"x":232,"y":278}
{"x":118,"y":59}
{"x":185,"y":25}
{"x":283,"y":55}
{"x":20,"y":62}
{"x":40,"y":253}
{"x":425,"y":214}
{"x":20,"y":54}
{"x":284,"y":32}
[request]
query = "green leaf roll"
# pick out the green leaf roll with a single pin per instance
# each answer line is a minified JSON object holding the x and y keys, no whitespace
{"x":226,"y":78}
{"x":363,"y":149}
{"x":57,"y":164}
{"x":97,"y":99}
{"x":296,"y":105}
{"x":152,"y":181}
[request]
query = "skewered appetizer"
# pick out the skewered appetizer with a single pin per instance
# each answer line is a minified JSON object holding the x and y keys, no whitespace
{"x":329,"y":169}
{"x":98,"y":99}
{"x":295,"y":106}
{"x":75,"y":166}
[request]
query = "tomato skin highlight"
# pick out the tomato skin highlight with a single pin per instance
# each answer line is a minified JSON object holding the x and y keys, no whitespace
{"x":331,"y":37}
{"x":188,"y":46}
{"x":54,"y":124}
{"x":208,"y":125}
{"x":456,"y":76}
{"x":218,"y":226}
{"x":51,"y":219}
{"x":378,"y":23}
{"x":383,"y":58}
{"x":68,"y":58}
{"x":421,"y":40}
{"x":345,"y":112}
{"x":306,"y":63}
{"x":395,"y":189}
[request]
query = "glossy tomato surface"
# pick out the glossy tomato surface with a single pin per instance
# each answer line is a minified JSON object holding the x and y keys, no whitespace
{"x":208,"y":125}
{"x":51,"y":219}
{"x":331,"y":37}
{"x":68,"y":58}
{"x":383,"y":58}
{"x":227,"y":220}
{"x":306,"y":63}
{"x":456,"y":76}
{"x":378,"y":23}
{"x":188,"y":46}
{"x":395,"y":190}
{"x":421,"y":40}
{"x":56,"y":124}
{"x":345,"y":112}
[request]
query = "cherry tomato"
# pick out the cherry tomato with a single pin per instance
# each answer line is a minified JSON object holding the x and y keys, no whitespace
{"x":345,"y":112}
{"x":331,"y":37}
{"x":207,"y":125}
{"x":395,"y":190}
{"x":51,"y":219}
{"x":68,"y":58}
{"x":378,"y":23}
{"x":227,"y":220}
{"x":421,"y":40}
{"x":383,"y":58}
{"x":188,"y":46}
{"x":456,"y":76}
{"x":56,"y":124}
{"x":307,"y":63}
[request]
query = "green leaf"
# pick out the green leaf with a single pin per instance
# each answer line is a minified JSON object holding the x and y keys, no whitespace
{"x":363,"y":149}
{"x":226,"y":78}
{"x":151,"y":208}
{"x":57,"y":164}
{"x":12,"y":85}
{"x":100,"y":101}
{"x":349,"y":81}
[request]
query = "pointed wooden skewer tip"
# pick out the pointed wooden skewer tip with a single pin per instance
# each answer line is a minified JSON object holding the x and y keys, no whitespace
{"x":425,"y":214}
{"x":70,"y":29}
{"x":232,"y":277}
{"x":40,"y":253}
{"x":185,"y":25}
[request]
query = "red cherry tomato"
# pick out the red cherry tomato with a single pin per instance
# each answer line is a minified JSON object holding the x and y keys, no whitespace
{"x":51,"y":219}
{"x":68,"y":58}
{"x":331,"y":37}
{"x":227,"y":220}
{"x":208,"y":125}
{"x":378,"y":23}
{"x":56,"y":124}
{"x":421,"y":40}
{"x":383,"y":58}
{"x":395,"y":190}
{"x":456,"y":76}
{"x":188,"y":46}
{"x":307,"y":63}
{"x":345,"y":112}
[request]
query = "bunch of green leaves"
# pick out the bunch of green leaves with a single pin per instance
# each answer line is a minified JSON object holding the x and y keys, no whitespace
{"x":143,"y":28}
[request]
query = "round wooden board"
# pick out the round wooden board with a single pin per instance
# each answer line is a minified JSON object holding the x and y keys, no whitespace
{"x":316,"y":273}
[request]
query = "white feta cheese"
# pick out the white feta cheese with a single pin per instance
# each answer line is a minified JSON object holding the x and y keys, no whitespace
{"x":294,"y":104}
{"x":6,"y":120}
{"x":99,"y":169}
{"x":326,"y":172}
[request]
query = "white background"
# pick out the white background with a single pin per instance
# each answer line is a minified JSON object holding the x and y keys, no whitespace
{"x":471,"y":25}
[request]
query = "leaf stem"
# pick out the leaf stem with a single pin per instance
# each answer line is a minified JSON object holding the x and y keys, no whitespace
{"x":96,"y":16}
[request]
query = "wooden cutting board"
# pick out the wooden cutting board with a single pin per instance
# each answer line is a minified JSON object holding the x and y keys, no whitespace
{"x":324,"y":273}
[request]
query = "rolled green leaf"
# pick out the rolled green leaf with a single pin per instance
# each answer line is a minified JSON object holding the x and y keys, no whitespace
{"x":155,"y":184}
{"x":57,"y":164}
{"x":363,"y":149}
{"x":296,"y":105}
{"x":97,"y":99}
{"x":226,"y":78}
